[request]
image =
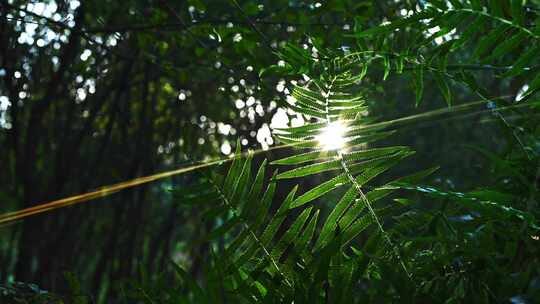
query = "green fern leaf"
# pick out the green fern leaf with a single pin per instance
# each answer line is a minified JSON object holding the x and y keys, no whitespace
{"x":517,"y":12}
{"x":320,"y":190}
{"x":292,"y":233}
{"x":507,"y":46}
{"x":523,"y":62}
{"x":419,"y":83}
{"x":443,"y":87}
{"x":363,"y":222}
{"x":310,"y":169}
{"x":305,"y":157}
{"x":487,"y":43}
{"x":534,"y":85}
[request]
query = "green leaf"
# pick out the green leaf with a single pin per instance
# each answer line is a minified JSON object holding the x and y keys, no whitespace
{"x":359,"y":205}
{"x":305,"y":93}
{"x":496,"y":8}
{"x":239,"y":187}
{"x":502,"y":164}
{"x":308,"y":111}
{"x":416,"y":177}
{"x":443,"y":87}
{"x":305,"y":129}
{"x":446,"y":22}
{"x":371,"y":153}
{"x":331,"y":222}
{"x":517,"y":12}
{"x":343,"y":213}
{"x":319,"y":190}
{"x":440,"y":4}
{"x":523,"y":62}
{"x":404,"y":201}
{"x":496,"y":209}
{"x":298,"y":143}
{"x":269,"y":230}
{"x":476,"y":5}
{"x":262,"y":209}
{"x":387,"y":67}
{"x":292,"y":232}
{"x":486,"y":43}
{"x":456,"y":4}
{"x":355,"y":141}
{"x":419,"y":83}
{"x":357,"y":227}
{"x":206,"y":196}
{"x":302,"y":242}
{"x":278,"y":218}
{"x":305,"y":157}
{"x":256,"y":187}
{"x":322,"y":262}
{"x":361,"y":223}
{"x":364,"y":71}
{"x":386,"y":28}
{"x":191,"y":283}
{"x":310,"y":169}
{"x":534,"y":85}
{"x":234,"y":171}
{"x":346,"y":97}
{"x":237,"y":242}
{"x":313,"y":106}
{"x":506,"y":46}
{"x":345,"y":111}
{"x":344,"y":104}
{"x":470,"y":31}
{"x":214,"y":212}
{"x":470,"y":81}
{"x":221,"y":230}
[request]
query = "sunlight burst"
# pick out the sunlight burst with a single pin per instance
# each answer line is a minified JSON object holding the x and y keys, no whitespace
{"x":332,"y":137}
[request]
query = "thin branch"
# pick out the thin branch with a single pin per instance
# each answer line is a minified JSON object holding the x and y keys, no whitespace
{"x":58,"y":24}
{"x":202,"y":22}
{"x":171,"y":26}
{"x":17,"y":216}
{"x":253,"y":26}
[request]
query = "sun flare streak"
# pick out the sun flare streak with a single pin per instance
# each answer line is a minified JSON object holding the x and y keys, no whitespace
{"x":332,"y":137}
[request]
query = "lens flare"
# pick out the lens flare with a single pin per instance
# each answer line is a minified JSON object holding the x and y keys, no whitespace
{"x":332,"y":137}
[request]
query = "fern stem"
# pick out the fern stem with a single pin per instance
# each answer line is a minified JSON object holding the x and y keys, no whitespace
{"x":327,"y":100}
{"x":358,"y":187}
{"x":372,"y":212}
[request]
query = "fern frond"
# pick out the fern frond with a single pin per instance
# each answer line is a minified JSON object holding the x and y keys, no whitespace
{"x":503,"y":36}
{"x":339,"y":110}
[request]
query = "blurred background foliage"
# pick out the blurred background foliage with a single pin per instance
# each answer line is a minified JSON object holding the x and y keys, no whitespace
{"x":97,"y":92}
